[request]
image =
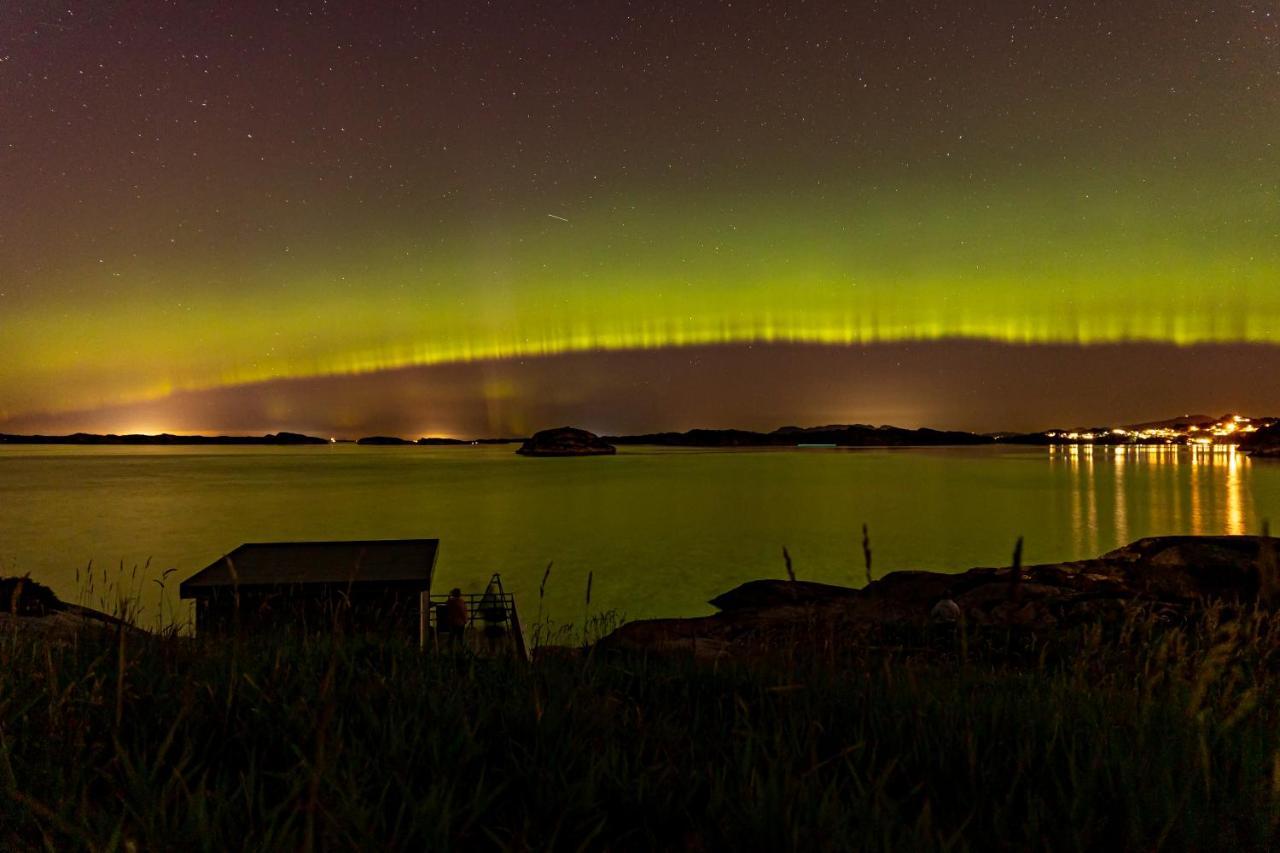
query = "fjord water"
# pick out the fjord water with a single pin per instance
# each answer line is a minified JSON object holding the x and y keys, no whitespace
{"x":661,"y":530}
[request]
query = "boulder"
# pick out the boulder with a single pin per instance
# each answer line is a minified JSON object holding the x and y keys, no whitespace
{"x":770,"y":593}
{"x":566,"y":441}
{"x":945,"y":610}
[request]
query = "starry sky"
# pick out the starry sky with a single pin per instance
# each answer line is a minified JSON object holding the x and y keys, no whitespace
{"x":485,"y":218}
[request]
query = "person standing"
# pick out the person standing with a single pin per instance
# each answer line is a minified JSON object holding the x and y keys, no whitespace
{"x":455,"y":616}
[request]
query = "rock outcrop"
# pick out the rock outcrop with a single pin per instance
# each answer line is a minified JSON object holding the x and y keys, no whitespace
{"x":1265,"y":443}
{"x":1166,"y":575}
{"x":566,"y":441}
{"x":767,"y":593}
{"x":32,"y":610}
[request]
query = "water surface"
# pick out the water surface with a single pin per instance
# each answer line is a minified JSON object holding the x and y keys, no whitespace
{"x":661,"y":530}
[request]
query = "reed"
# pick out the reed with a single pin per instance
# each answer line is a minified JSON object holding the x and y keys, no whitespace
{"x":1015,"y":573}
{"x":1132,"y":734}
{"x":542,"y":592}
{"x":866,"y":552}
{"x":1268,"y":568}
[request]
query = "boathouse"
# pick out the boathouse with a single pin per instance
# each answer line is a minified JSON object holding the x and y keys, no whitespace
{"x":375,"y":586}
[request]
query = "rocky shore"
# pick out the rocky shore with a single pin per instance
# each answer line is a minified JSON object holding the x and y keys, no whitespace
{"x":1166,"y":577}
{"x":33,"y":609}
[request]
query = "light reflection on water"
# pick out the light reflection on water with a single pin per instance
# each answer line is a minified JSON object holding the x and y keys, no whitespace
{"x":1200,"y":490}
{"x":661,"y":530}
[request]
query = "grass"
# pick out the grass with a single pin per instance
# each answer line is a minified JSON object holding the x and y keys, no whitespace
{"x":1136,"y":735}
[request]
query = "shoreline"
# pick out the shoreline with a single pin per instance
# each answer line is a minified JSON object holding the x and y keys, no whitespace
{"x":1170,"y":574}
{"x":1151,"y":717}
{"x":1171,"y":578}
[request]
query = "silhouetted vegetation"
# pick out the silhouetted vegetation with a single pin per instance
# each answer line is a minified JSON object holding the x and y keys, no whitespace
{"x":1140,"y":735}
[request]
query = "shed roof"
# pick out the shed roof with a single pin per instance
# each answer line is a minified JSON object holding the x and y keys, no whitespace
{"x":391,"y":561}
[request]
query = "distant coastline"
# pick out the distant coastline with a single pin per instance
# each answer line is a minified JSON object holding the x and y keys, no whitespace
{"x":840,"y":436}
{"x":1258,"y":435}
{"x":278,"y":438}
{"x":270,"y":439}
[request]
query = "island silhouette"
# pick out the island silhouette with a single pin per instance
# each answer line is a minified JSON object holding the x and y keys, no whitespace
{"x":1258,"y":436}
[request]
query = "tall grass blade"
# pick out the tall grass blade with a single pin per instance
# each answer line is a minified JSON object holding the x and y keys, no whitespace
{"x":866,"y":551}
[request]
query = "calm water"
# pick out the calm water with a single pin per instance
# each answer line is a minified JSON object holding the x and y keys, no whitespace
{"x":662,"y":530}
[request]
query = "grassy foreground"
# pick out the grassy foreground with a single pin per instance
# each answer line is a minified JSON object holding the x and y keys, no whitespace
{"x":1140,"y":737}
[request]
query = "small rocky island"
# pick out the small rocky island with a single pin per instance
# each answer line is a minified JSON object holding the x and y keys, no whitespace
{"x":566,"y":441}
{"x":383,"y":441}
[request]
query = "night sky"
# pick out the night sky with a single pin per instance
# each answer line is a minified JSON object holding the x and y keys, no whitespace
{"x":485,"y":218}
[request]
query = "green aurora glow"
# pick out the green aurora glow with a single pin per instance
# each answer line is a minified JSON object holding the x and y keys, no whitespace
{"x":924,"y":182}
{"x":1061,"y":265}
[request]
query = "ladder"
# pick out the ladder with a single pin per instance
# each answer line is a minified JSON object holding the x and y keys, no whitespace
{"x":491,"y":613}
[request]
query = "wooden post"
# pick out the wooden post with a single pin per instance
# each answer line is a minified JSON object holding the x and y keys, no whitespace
{"x":424,"y":601}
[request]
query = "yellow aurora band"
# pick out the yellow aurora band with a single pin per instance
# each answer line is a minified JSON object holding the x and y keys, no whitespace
{"x":1065,"y":264}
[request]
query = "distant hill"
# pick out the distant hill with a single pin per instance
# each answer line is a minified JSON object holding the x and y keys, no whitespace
{"x":164,"y":439}
{"x":855,"y":435}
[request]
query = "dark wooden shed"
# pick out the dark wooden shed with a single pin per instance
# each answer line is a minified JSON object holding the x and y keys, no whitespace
{"x":377,"y":586}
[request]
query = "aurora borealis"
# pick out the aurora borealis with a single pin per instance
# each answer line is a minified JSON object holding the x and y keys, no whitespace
{"x":454,"y":203}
